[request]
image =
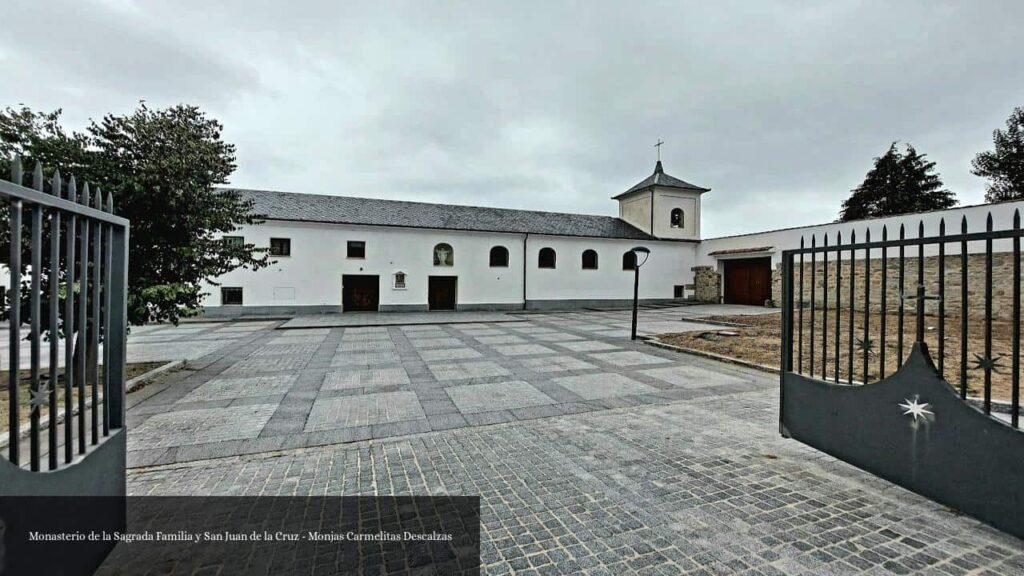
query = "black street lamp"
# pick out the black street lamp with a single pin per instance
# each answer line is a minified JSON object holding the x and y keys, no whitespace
{"x":637,"y":263}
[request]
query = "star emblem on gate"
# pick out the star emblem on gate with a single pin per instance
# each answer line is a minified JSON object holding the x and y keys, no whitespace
{"x":38,"y":398}
{"x":915,"y":409}
{"x":985,"y":363}
{"x":866,"y":345}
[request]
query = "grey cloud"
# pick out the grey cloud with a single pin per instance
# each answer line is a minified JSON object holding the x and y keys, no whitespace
{"x":779,"y":107}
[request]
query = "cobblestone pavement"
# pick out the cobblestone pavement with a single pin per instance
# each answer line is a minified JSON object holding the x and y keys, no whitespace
{"x":264,"y":389}
{"x":701,"y":485}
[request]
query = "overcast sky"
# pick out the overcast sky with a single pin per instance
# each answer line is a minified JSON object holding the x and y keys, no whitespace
{"x":776,"y":106}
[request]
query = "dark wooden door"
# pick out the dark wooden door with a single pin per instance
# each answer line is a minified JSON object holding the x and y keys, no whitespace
{"x":360,"y":293}
{"x":441,"y":291}
{"x":748,"y":281}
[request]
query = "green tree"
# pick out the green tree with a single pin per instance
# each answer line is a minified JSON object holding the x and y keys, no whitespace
{"x":161,"y":166}
{"x":898,"y":183}
{"x":1004,"y":166}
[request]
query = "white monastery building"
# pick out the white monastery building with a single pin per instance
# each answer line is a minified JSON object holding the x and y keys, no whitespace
{"x":343,"y":254}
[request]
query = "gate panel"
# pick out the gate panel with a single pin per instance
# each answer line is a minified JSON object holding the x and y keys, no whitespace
{"x":68,"y":265}
{"x":914,"y":430}
{"x":960,"y":445}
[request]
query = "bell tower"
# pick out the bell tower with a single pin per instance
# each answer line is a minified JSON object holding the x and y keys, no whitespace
{"x":663,"y":206}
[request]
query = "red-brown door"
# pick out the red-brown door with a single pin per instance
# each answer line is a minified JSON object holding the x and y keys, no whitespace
{"x":360,"y":293}
{"x":748,"y":281}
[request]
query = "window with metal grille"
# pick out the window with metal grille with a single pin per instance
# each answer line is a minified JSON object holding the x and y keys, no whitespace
{"x":230,"y":296}
{"x":356,"y":249}
{"x":280,"y":247}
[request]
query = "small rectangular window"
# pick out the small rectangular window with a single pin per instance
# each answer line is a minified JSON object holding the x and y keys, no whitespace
{"x":230,"y":296}
{"x":400,"y":281}
{"x":280,"y":247}
{"x":679,"y":292}
{"x":234,"y":240}
{"x":356,"y":249}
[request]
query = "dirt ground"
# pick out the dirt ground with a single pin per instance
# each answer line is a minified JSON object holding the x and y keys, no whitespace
{"x":758,"y":340}
{"x":132,"y":370}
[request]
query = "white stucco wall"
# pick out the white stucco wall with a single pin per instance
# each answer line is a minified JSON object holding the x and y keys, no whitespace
{"x":664,"y":201}
{"x":669,"y":265}
{"x":779,"y":240}
{"x":312,"y":275}
{"x":636,"y":209}
{"x":318,"y":261}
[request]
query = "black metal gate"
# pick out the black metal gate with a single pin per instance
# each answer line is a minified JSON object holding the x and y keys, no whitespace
{"x":68,"y":267}
{"x":882,"y":401}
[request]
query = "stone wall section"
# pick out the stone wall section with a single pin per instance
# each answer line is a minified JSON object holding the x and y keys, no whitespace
{"x":1002,"y":284}
{"x":707,"y":284}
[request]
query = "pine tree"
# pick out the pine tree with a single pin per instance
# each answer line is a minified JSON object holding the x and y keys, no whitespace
{"x":898,"y":183}
{"x":1004,"y":166}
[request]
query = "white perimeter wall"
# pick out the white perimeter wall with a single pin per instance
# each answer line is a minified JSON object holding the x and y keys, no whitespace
{"x":779,"y":240}
{"x":311,"y":276}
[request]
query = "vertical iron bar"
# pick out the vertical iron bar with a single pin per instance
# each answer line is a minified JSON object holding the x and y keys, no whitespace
{"x":35,"y":327}
{"x":94,"y":335}
{"x":899,"y":319}
{"x":117,"y":330}
{"x":787,"y":333}
{"x":107,"y":241}
{"x":54,"y":324}
{"x":963,"y":307}
{"x":884,"y":303}
{"x":942,"y":297}
{"x":69,"y":323}
{"x":14,"y":297}
{"x":867,"y":301}
{"x":800,"y":321}
{"x":824,"y":310}
{"x":920,"y":282}
{"x":810,"y":332}
{"x":849,"y":335}
{"x":1015,"y":383}
{"x":82,"y":342}
{"x":839,"y":302}
{"x":988,"y":315}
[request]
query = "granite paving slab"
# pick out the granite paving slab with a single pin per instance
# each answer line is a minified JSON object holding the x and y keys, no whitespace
{"x":595,"y":386}
{"x":365,"y":410}
{"x":496,"y":396}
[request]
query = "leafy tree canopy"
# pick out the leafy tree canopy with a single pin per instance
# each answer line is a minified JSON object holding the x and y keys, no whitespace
{"x":1004,"y":166}
{"x":900,"y":182}
{"x":161,"y":166}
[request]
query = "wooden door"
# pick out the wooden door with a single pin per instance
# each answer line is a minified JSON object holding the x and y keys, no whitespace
{"x":748,"y":281}
{"x":441,"y":292}
{"x":360,"y":293}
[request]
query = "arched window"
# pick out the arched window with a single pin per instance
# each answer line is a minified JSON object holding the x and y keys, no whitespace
{"x":628,"y":260}
{"x":499,"y":257}
{"x":444,"y":255}
{"x":546,"y":258}
{"x":589,"y":260}
{"x":676,"y":219}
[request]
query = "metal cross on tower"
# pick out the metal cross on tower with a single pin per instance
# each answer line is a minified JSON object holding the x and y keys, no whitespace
{"x":658,"y":146}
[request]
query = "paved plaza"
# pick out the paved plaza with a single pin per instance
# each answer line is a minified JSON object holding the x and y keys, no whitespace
{"x":266,"y":388}
{"x":591,"y":453}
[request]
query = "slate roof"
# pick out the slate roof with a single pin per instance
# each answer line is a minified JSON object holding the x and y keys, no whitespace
{"x":659,"y":178}
{"x":292,"y":206}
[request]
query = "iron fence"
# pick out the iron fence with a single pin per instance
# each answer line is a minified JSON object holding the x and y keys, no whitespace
{"x":83,"y":291}
{"x":843,"y":297}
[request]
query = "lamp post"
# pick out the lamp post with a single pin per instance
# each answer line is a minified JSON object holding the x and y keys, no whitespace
{"x":637,"y":263}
